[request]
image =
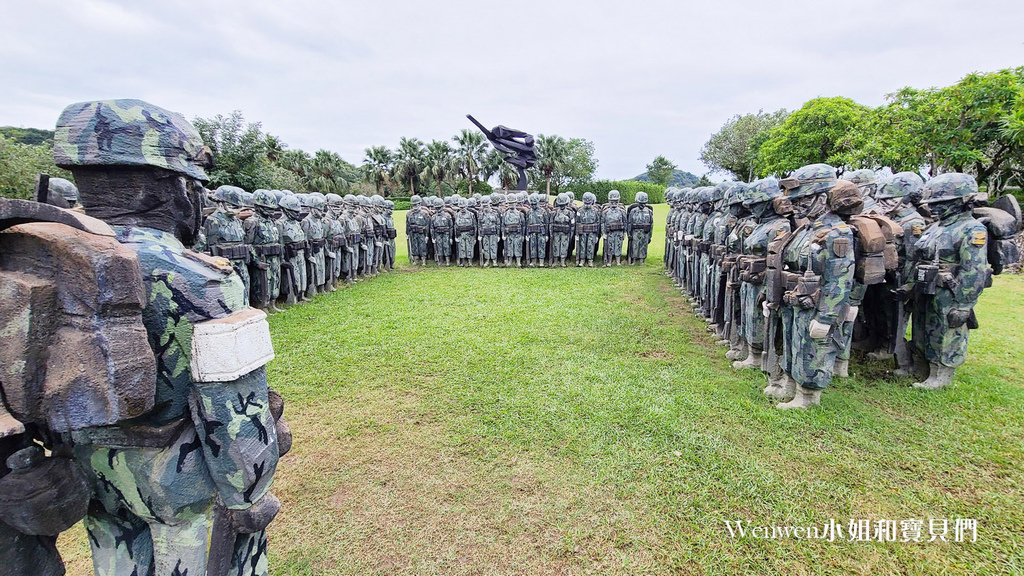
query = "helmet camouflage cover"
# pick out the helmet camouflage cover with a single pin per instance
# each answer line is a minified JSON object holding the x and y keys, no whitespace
{"x":810,"y":179}
{"x":129,"y":133}
{"x":899,"y":185}
{"x":951,"y":186}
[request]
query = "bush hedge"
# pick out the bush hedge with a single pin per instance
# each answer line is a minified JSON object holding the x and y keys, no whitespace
{"x":627,"y":189}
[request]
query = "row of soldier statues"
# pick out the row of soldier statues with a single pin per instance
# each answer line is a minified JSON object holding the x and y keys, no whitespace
{"x":513,"y":227}
{"x":290,"y":247}
{"x":792,"y":274}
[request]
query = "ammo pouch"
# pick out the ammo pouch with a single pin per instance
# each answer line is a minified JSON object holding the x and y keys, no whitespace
{"x":718,"y":252}
{"x":514,"y":229}
{"x":488,"y":230}
{"x":391,"y":233}
{"x":317,"y":244}
{"x":356,"y":239}
{"x":378,"y":228}
{"x":614,"y":227}
{"x":463,"y":229}
{"x":805,"y":293}
{"x":703,"y":247}
{"x":752,"y":270}
{"x":45,"y":498}
{"x":232,"y":251}
{"x":536,"y":229}
{"x":417,"y":229}
{"x":641,"y":227}
{"x":268,"y":249}
{"x":292,"y":249}
{"x":442,"y":229}
{"x":588,"y":228}
{"x":565,"y":228}
{"x":876,"y":237}
{"x":926,"y":279}
{"x":338,"y":241}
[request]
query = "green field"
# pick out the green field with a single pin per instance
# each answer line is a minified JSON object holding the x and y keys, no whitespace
{"x":581,"y":421}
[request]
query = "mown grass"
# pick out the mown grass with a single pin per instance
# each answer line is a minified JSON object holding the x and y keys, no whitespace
{"x":580,"y":421}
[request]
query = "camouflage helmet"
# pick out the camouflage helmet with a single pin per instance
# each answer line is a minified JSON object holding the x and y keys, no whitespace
{"x":534,"y":200}
{"x":319,"y":200}
{"x":290,"y":204}
{"x":810,"y":179}
{"x":463,"y":203}
{"x":129,"y":133}
{"x":845,"y":198}
{"x":719,"y":190}
{"x":229,"y":195}
{"x":562,"y":199}
{"x":641,"y":197}
{"x":485,"y":200}
{"x":350,"y":199}
{"x":378,"y":200}
{"x":363,"y":201}
{"x":389,"y":205}
{"x":589,"y":198}
{"x":951,"y":186}
{"x":706,"y":195}
{"x":614,"y":195}
{"x":65,"y":188}
{"x":478,"y":196}
{"x":572,"y":195}
{"x":415,"y":200}
{"x":473,"y":203}
{"x":864,"y":179}
{"x":763,"y":190}
{"x":278,"y":194}
{"x":264,"y":199}
{"x":899,"y":185}
{"x":736,"y":194}
{"x":247,"y":199}
{"x":305,"y":200}
{"x":334,"y":199}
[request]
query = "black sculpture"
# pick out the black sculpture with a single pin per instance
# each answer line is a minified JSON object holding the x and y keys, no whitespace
{"x":515,"y":144}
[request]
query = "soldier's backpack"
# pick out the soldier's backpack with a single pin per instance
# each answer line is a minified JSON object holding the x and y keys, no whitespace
{"x":1003,"y":221}
{"x":876,"y":247}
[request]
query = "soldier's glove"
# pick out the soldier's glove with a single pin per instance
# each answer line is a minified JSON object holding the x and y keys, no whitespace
{"x":957,"y":317}
{"x":901,"y":294}
{"x":256,"y":517}
{"x":765,"y":309}
{"x":818,"y":330}
{"x":263,"y":266}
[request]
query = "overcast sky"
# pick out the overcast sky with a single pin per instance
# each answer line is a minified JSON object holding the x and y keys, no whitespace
{"x":637,"y":78}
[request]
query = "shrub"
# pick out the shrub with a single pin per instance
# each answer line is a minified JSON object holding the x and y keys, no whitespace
{"x":627,"y":189}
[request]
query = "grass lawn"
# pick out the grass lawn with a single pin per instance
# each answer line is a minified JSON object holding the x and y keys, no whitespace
{"x":581,"y":421}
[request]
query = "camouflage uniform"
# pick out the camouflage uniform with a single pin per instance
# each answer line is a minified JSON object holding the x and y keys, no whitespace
{"x":262,"y":233}
{"x":562,"y":224}
{"x":513,"y":226}
{"x":536,"y":233}
{"x":417,"y":227}
{"x":466,"y":231}
{"x":225,"y":235}
{"x":379,"y":231}
{"x":489,"y":232}
{"x":353,"y":237}
{"x":156,"y":480}
{"x":613,"y":228}
{"x":639,"y":219}
{"x":954,"y":251}
{"x":390,"y":233}
{"x":441,"y":228}
{"x":336,"y":243}
{"x":293,"y":267}
{"x":367,"y":247}
{"x":588,"y":230}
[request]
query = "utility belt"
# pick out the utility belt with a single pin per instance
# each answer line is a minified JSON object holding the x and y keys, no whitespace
{"x":928,"y":278}
{"x":232,"y":251}
{"x":614,"y":226}
{"x":488,"y":230}
{"x":417,"y":229}
{"x":355,"y":238}
{"x":752,"y":269}
{"x":805,"y":291}
{"x":691,"y":241}
{"x":641,"y":227}
{"x":338,"y":241}
{"x":378,"y":229}
{"x":442,"y":229}
{"x":588,"y":228}
{"x":317,"y":244}
{"x":391,"y":233}
{"x":561,"y":228}
{"x":463,"y":229}
{"x":536,"y":229}
{"x":514,"y":229}
{"x":703,"y":247}
{"x":718,"y":251}
{"x":292,"y":249}
{"x":121,"y":436}
{"x":268,"y":249}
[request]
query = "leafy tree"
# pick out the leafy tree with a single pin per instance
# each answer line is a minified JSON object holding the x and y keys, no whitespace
{"x":660,"y":170}
{"x":508,"y":176}
{"x":734,"y":147}
{"x":552,"y":157}
{"x":580,"y":164}
{"x":239,"y":151}
{"x":328,"y":173}
{"x":704,"y":181}
{"x":377,"y":168}
{"x":469,"y":155}
{"x":409,"y":161}
{"x":33,"y":136}
{"x":439,"y":162}
{"x":19,"y":165}
{"x":820,"y":131}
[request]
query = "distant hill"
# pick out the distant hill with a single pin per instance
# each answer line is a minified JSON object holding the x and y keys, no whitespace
{"x":32,"y":136}
{"x":679,"y":179}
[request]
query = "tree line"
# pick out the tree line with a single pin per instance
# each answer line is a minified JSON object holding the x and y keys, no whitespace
{"x":974,"y":126}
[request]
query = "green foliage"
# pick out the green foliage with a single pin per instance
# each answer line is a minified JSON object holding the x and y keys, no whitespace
{"x":32,"y":136}
{"x":402,"y":204}
{"x":19,"y":165}
{"x":820,"y":131}
{"x":659,"y":171}
{"x":462,"y":187}
{"x":438,"y":163}
{"x":704,"y":181}
{"x":409,"y":161}
{"x":679,"y":179}
{"x":627,"y":189}
{"x":734,"y":147}
{"x":580,"y":164}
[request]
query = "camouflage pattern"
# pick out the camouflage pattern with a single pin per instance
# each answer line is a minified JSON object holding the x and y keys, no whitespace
{"x":466,"y":230}
{"x":353,"y":238}
{"x":153,"y":505}
{"x":128,"y":133}
{"x":489,"y":231}
{"x":442,"y":227}
{"x":613,"y":228}
{"x":316,"y":235}
{"x":513,"y":229}
{"x":293,"y":264}
{"x":562,"y":224}
{"x":225,"y":236}
{"x":537,"y":233}
{"x":588,"y":230}
{"x":639,"y":219}
{"x":262,"y":233}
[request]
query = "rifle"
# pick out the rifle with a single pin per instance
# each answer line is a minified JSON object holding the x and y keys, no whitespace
{"x":222,"y":542}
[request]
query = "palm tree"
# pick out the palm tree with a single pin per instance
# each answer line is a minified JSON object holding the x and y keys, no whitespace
{"x":552,"y":154}
{"x":274,"y":147}
{"x":470,"y":154}
{"x":491,"y":164}
{"x":330,"y":173}
{"x":439,"y":162}
{"x":508,"y":175}
{"x":408,"y":161}
{"x":377,"y":167}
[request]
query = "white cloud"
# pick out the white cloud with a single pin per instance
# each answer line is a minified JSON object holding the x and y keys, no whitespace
{"x":638,"y":78}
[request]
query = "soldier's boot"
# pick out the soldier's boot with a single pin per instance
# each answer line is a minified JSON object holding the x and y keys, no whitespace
{"x":841,"y":368}
{"x":578,"y":262}
{"x":519,"y":261}
{"x":880,"y":354}
{"x":722,"y":342}
{"x":618,"y":260}
{"x":274,"y":308}
{"x":781,"y":388}
{"x":804,"y":398}
{"x":752,"y":361}
{"x":738,"y":352}
{"x":485,"y":264}
{"x":541,"y":262}
{"x":508,"y":261}
{"x":939,"y":376}
{"x":563,"y":262}
{"x":918,"y":369}
{"x":447,"y":262}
